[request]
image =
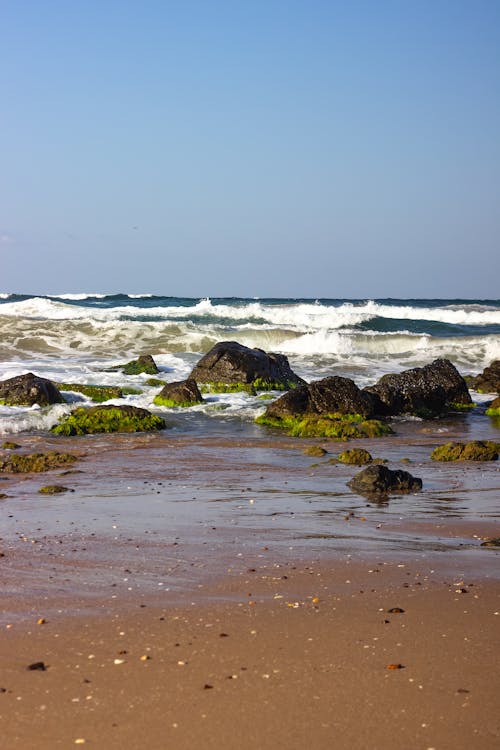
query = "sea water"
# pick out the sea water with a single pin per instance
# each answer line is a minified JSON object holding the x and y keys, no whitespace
{"x":77,"y":337}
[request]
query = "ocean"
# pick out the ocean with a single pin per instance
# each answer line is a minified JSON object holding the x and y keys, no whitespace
{"x":76,"y":337}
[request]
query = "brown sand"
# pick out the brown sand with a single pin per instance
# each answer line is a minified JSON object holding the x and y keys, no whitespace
{"x":275,"y":647}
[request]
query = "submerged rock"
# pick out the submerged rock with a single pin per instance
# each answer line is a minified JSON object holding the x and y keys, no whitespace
{"x":423,"y":391}
{"x":315,"y":450}
{"x":27,"y":390}
{"x":476,"y":450}
{"x":335,"y":426}
{"x":489,"y":380}
{"x":229,"y":363}
{"x":97,"y":419}
{"x":144,"y":363}
{"x":379,"y":479}
{"x":53,"y":489}
{"x":98,"y":393}
{"x":35,"y":462}
{"x":180,"y":393}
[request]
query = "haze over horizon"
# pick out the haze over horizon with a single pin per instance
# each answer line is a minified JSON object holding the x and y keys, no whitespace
{"x":314,"y":150}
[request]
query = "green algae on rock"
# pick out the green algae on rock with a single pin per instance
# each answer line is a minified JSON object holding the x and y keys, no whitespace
{"x":493,"y":409}
{"x":35,"y":462}
{"x":182,"y":393}
{"x":98,"y":419}
{"x":98,"y":393}
{"x":336,"y":426}
{"x":476,"y":450}
{"x":315,"y":450}
{"x":145,"y":363}
{"x":10,"y":446}
{"x":53,"y":489}
{"x":356,"y":456}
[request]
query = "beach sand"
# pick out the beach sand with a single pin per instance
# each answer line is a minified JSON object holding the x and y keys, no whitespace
{"x":233,"y":593}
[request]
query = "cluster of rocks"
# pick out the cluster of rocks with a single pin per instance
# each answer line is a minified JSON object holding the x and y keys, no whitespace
{"x":307,"y":408}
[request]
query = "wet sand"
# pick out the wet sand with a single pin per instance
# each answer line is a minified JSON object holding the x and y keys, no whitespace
{"x":231,"y":592}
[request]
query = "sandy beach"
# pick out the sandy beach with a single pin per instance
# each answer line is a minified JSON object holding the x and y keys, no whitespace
{"x":232,"y":592}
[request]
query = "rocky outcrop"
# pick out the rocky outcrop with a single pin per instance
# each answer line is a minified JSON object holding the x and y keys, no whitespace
{"x":180,"y":393}
{"x":144,"y":363}
{"x":489,"y":380}
{"x":29,"y":389}
{"x":334,"y":395}
{"x":423,"y":391}
{"x":378,"y":479}
{"x":232,"y":364}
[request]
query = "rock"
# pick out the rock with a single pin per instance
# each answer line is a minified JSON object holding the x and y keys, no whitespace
{"x":493,"y":409}
{"x":333,"y":395}
{"x":335,"y":426}
{"x":9,"y":445}
{"x":423,"y":391}
{"x":489,"y":380}
{"x":98,"y":393}
{"x":53,"y":489}
{"x":379,"y":479}
{"x":29,"y":389}
{"x":357,"y":456}
{"x":35,"y":462}
{"x":97,"y":419}
{"x":144,"y":363}
{"x":231,"y":364}
{"x":476,"y":450}
{"x":494,"y":542}
{"x":180,"y":393}
{"x":315,"y":450}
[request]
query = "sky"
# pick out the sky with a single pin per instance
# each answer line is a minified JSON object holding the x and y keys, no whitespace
{"x":267,"y":148}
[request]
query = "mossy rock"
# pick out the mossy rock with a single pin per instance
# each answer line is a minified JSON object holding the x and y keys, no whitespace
{"x":315,"y":450}
{"x":3,"y":496}
{"x":170,"y":402}
{"x":10,"y":446}
{"x":476,"y":450}
{"x":356,"y":456}
{"x":35,"y":462}
{"x":227,"y":388}
{"x":182,"y":393}
{"x":145,"y":363}
{"x":53,"y":489}
{"x":98,"y":419}
{"x":491,"y":542}
{"x":98,"y":393}
{"x":336,"y":426}
{"x":493,"y":409}
{"x":455,"y":406}
{"x":155,"y":382}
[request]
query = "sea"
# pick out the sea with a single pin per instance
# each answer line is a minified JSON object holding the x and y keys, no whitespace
{"x":75,"y":338}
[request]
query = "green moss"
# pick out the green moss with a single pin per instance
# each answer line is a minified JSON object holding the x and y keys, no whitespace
{"x":159,"y":401}
{"x":53,"y":489}
{"x":315,"y":450}
{"x":461,"y":407}
{"x":155,"y":382}
{"x":357,"y":456}
{"x":10,"y":446}
{"x":98,"y":393}
{"x":476,"y":450}
{"x":337,"y":426}
{"x":136,"y":368}
{"x":491,"y":412}
{"x":266,"y":397}
{"x":98,"y":419}
{"x":35,"y":462}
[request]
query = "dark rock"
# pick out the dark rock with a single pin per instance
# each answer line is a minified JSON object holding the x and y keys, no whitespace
{"x":334,"y":395}
{"x":37,"y":666}
{"x":379,"y":479}
{"x":489,"y":380}
{"x":231,"y":363}
{"x":423,"y":391}
{"x":144,"y":363}
{"x":29,"y":389}
{"x":180,"y":393}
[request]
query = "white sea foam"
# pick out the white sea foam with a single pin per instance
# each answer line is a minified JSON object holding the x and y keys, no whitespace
{"x":15,"y":419}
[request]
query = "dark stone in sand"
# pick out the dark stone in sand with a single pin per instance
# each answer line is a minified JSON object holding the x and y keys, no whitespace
{"x":53,"y":489}
{"x":423,"y":391}
{"x":491,"y":542}
{"x":231,"y":363}
{"x":29,"y":389}
{"x":37,"y":666}
{"x":489,"y":380}
{"x":334,"y":395}
{"x":379,"y":479}
{"x":180,"y":393}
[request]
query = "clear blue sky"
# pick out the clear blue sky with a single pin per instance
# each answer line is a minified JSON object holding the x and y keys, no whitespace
{"x":265,"y":147}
